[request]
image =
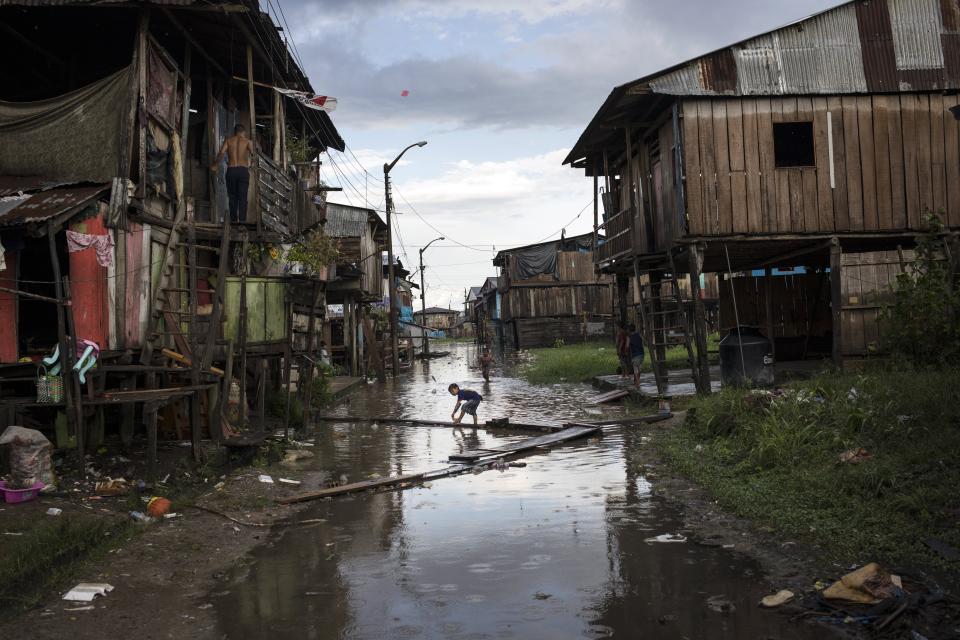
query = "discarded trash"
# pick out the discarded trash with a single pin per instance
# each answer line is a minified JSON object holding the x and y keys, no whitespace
{"x":87,"y":608}
{"x":111,"y":487}
{"x":158,"y":507}
{"x":780,"y":597}
{"x":720,"y":604}
{"x":294,"y":456}
{"x":219,"y":485}
{"x":87,"y":591}
{"x":867,"y":585}
{"x":667,"y":537}
{"x":169,"y":516}
{"x":53,"y":511}
{"x":295,"y":483}
{"x":165,"y":478}
{"x":141,"y":517}
{"x":29,"y":459}
{"x":855,"y":456}
{"x":540,"y":595}
{"x":265,"y":479}
{"x":427,"y":485}
{"x":518,"y":465}
{"x":12,"y":496}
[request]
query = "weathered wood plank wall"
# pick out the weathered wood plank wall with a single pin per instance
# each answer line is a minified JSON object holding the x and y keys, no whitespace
{"x":894,"y":156}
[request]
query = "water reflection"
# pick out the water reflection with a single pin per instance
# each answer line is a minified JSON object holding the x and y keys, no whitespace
{"x":555,"y":549}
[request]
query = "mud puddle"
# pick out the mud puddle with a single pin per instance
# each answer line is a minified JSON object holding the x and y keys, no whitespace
{"x":573,"y":545}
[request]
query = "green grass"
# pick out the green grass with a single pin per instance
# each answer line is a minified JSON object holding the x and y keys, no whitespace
{"x":775,"y":460}
{"x":49,"y":552}
{"x":585,"y":361}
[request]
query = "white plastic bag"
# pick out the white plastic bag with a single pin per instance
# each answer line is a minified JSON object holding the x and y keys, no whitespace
{"x":29,"y":457}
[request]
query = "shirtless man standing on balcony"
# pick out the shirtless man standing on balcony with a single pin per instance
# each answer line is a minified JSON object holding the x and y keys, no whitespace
{"x":238,"y":148}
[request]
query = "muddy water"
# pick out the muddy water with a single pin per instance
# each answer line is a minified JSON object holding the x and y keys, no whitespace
{"x":557,"y":549}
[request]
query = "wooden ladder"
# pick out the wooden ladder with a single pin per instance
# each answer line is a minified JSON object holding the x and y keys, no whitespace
{"x":160,"y":313}
{"x":661,"y":302}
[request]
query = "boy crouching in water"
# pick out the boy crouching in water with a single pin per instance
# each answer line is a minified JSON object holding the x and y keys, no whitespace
{"x":467,"y":402}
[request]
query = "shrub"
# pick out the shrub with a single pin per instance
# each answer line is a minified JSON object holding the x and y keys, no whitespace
{"x":922,"y":325}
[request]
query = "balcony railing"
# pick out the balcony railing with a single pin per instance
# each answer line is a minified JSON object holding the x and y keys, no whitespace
{"x":275,"y":196}
{"x":616,"y":237}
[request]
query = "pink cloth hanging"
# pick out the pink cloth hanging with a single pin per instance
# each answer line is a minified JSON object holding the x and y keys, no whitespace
{"x":103,"y":245}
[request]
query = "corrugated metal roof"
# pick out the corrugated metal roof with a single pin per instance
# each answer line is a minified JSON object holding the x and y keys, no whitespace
{"x":860,"y":46}
{"x":346,"y":221}
{"x":917,"y":25}
{"x":41,"y":206}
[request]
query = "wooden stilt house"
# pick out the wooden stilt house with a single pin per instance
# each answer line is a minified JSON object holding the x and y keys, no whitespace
{"x":114,"y":224}
{"x":550,"y":291}
{"x":820,"y":144}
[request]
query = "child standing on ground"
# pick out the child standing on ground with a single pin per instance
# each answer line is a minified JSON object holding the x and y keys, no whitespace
{"x":467,"y":402}
{"x":635,"y":343}
{"x":486,"y":361}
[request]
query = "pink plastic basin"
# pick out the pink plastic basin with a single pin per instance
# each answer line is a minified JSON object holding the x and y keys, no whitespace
{"x":11,"y":496}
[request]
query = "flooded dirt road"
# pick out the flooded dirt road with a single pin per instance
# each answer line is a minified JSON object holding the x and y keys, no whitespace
{"x":559,"y":548}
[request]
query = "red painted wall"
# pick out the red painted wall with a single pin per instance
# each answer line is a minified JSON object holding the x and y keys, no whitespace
{"x":8,"y":309}
{"x":88,"y":284}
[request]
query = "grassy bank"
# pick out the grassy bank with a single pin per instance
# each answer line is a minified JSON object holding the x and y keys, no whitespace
{"x":582,"y":362}
{"x":775,"y":459}
{"x":44,"y":552}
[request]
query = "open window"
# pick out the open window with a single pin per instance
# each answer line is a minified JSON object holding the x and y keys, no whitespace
{"x":793,"y":144}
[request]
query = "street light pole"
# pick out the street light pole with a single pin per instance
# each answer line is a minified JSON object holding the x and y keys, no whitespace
{"x":423,"y":299}
{"x":388,"y":200}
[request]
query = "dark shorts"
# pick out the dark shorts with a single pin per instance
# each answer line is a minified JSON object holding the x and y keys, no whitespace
{"x":470,"y":406}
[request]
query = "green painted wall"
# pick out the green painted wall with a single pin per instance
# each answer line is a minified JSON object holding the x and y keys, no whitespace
{"x":266,"y":309}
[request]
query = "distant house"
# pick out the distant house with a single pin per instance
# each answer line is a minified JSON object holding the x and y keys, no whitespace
{"x":436,"y":318}
{"x":549,"y":291}
{"x":485,"y":311}
{"x":361,"y":234}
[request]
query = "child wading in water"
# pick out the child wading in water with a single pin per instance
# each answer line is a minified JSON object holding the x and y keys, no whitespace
{"x":486,"y":360}
{"x":467,"y":402}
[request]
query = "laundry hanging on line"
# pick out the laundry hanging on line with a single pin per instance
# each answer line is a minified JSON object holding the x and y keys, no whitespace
{"x":103,"y":245}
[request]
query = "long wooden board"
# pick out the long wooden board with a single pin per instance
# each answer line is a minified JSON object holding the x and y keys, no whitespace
{"x":611,"y":396}
{"x":351,"y":488}
{"x":439,"y":423}
{"x":570,"y":433}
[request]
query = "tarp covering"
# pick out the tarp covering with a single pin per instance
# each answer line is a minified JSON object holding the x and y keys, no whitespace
{"x":75,"y":136}
{"x":529,"y":262}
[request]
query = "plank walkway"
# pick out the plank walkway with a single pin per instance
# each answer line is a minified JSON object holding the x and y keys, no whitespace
{"x":564,"y":435}
{"x":468,"y":461}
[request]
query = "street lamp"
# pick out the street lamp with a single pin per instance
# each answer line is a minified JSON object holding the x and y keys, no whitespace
{"x":423,"y":299}
{"x":394,"y":329}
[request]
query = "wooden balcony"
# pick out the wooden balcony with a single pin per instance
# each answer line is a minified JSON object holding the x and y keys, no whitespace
{"x":615,"y":237}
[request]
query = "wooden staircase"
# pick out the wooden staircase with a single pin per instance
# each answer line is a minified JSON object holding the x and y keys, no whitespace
{"x":664,"y":321}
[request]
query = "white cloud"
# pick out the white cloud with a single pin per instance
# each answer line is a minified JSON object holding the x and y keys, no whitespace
{"x":499,"y":204}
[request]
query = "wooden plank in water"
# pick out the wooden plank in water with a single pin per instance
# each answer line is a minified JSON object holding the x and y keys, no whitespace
{"x":351,"y":488}
{"x":439,"y":423}
{"x":610,"y":397}
{"x":563,"y":435}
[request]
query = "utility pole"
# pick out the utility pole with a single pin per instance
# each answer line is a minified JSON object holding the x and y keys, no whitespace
{"x":423,"y":299}
{"x":394,"y":311}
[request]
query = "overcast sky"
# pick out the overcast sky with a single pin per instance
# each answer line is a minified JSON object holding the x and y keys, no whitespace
{"x":501,"y":89}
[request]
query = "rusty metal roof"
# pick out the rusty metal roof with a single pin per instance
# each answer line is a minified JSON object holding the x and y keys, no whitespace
{"x":860,"y":46}
{"x":346,"y":221}
{"x":43,"y":205}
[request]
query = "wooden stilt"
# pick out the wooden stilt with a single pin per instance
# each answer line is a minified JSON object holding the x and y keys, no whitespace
{"x":699,"y":320}
{"x":768,"y":309}
{"x":150,"y":422}
{"x":836,"y":301}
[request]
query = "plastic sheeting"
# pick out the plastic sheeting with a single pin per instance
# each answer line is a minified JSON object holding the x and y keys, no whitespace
{"x":75,"y":136}
{"x":532,"y":261}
